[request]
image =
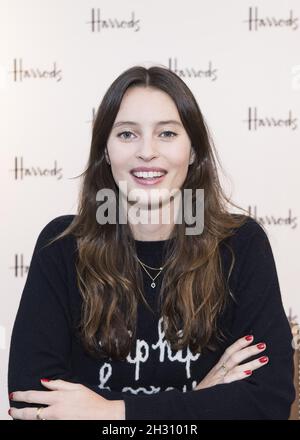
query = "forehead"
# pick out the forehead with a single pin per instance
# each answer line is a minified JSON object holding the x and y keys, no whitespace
{"x":144,"y":104}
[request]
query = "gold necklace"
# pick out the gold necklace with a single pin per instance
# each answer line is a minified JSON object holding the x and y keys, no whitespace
{"x":153,"y":284}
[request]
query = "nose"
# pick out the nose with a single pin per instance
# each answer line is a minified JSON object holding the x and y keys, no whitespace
{"x":147,"y":151}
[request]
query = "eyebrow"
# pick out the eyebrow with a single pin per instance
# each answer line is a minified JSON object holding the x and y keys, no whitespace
{"x":170,"y":121}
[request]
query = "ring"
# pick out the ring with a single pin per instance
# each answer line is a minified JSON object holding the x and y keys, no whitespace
{"x":225,"y":370}
{"x":38,"y":413}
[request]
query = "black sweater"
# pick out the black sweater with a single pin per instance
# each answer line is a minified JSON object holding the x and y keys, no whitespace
{"x":154,"y":381}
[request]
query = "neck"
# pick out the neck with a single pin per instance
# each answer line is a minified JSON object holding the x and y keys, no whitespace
{"x":153,"y":222}
{"x":154,"y":228}
{"x":151,"y":232}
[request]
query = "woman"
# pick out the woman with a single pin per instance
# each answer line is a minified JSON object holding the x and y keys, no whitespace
{"x":151,"y":320}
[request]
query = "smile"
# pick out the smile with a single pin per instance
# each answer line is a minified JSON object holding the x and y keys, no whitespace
{"x":148,"y":178}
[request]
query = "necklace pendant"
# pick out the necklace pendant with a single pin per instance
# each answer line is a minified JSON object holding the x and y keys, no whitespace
{"x":153,"y":285}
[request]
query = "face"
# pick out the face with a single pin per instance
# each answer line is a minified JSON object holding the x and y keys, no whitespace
{"x":142,"y":137}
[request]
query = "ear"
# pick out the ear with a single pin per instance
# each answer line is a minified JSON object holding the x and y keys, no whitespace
{"x":192,"y":156}
{"x":106,"y":156}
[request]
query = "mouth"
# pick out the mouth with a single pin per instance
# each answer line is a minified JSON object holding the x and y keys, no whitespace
{"x":151,"y":178}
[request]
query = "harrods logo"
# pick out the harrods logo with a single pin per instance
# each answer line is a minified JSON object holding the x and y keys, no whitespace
{"x":256,"y":121}
{"x":21,"y":172}
{"x":190,"y":72}
{"x":21,"y":73}
{"x":292,"y":317}
{"x":98,"y":22}
{"x":19,"y":268}
{"x":92,"y":120}
{"x":273,"y":220}
{"x":256,"y":22}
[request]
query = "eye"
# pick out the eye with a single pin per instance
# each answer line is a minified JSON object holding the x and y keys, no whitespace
{"x":120,"y":135}
{"x":172,"y":132}
{"x":123,"y":132}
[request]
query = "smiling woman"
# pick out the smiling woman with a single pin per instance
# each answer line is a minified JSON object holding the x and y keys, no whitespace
{"x":143,"y":320}
{"x":148,"y":132}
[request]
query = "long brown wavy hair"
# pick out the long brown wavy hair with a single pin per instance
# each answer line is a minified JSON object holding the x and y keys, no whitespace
{"x":194,"y":290}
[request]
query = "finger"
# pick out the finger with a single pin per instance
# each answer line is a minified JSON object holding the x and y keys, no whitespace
{"x":32,"y":396}
{"x":253,"y":365}
{"x":59,"y":384}
{"x":239,"y":356}
{"x":234,"y":375}
{"x":26,"y":413}
{"x":233,"y":348}
{"x":245,"y":370}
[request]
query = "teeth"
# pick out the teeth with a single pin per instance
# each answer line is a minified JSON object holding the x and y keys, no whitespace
{"x":146,"y":175}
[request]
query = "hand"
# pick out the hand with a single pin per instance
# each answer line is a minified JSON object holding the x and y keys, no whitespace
{"x":228,"y":369}
{"x":67,"y":401}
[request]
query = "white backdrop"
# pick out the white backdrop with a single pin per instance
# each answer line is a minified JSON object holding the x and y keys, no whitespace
{"x":241,"y":60}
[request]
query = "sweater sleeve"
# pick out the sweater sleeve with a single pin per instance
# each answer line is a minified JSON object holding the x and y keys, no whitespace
{"x":40,"y":344}
{"x":269,"y":391}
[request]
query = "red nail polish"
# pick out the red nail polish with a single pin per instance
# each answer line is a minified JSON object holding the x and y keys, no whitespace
{"x":248,"y":337}
{"x":45,"y":380}
{"x":248,"y":372}
{"x":9,"y":412}
{"x":263,"y":359}
{"x":261,"y":346}
{"x":11,"y":396}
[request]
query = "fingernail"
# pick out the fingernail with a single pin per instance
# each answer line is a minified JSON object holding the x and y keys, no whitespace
{"x":11,"y":396}
{"x":261,"y":346}
{"x":263,"y":359}
{"x":45,"y":380}
{"x":9,"y":412}
{"x":248,"y":372}
{"x":248,"y":337}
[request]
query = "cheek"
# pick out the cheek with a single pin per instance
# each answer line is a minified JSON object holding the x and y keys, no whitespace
{"x":179,"y":157}
{"x":119,"y":163}
{"x":180,"y":169}
{"x":179,"y":163}
{"x":118,"y":154}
